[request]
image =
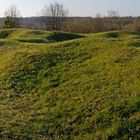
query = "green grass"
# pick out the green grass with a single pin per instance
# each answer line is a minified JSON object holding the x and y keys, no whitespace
{"x":86,"y":88}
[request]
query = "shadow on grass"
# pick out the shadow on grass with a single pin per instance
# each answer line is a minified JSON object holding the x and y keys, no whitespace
{"x":54,"y":37}
{"x":135,"y":44}
{"x":135,"y":33}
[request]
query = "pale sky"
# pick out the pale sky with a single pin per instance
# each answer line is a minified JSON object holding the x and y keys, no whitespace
{"x":76,"y":7}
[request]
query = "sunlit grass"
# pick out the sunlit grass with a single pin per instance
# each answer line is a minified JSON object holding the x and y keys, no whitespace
{"x":88,"y":88}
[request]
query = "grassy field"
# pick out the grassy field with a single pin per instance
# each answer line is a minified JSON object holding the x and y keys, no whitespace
{"x":61,"y":86}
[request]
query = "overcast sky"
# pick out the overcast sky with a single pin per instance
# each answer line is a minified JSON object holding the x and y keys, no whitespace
{"x":76,"y":7}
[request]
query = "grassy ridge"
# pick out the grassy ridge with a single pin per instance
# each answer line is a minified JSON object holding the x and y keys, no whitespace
{"x":87,"y":88}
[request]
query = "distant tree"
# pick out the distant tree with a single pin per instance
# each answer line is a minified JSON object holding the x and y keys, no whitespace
{"x":134,"y":27}
{"x":12,"y":17}
{"x":54,"y":16}
{"x":98,"y":24}
{"x":114,"y":22}
{"x":113,"y":14}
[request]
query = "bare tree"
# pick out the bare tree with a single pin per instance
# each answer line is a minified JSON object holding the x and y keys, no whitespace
{"x":54,"y":16}
{"x":12,"y":17}
{"x":112,"y":13}
{"x":114,"y":22}
{"x":99,"y":22}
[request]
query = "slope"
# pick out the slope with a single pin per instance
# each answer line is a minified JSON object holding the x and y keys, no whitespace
{"x":87,"y":88}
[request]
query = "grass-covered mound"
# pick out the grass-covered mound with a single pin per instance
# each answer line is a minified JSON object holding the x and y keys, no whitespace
{"x":36,"y":36}
{"x":87,"y":88}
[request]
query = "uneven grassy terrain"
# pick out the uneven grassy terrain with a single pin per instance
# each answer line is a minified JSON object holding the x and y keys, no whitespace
{"x":67,"y":86}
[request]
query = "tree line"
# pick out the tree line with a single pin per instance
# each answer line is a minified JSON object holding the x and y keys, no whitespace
{"x":55,"y":17}
{"x":52,"y":16}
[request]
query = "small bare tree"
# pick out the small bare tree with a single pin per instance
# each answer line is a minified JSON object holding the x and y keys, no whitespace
{"x":12,"y":17}
{"x":54,"y":16}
